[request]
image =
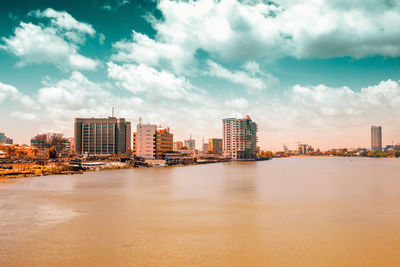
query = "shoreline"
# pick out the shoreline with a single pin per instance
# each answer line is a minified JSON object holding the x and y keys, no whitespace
{"x":30,"y":173}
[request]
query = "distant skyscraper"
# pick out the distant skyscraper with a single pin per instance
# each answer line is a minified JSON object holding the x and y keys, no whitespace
{"x":190,"y":143}
{"x":102,"y":136}
{"x":239,"y":138}
{"x":376,"y":138}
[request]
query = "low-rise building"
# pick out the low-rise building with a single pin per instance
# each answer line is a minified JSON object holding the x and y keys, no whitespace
{"x":215,"y":145}
{"x":5,"y":140}
{"x":304,"y":149}
{"x":178,"y":145}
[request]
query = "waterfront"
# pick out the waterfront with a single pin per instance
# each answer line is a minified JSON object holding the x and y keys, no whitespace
{"x":283,"y":212}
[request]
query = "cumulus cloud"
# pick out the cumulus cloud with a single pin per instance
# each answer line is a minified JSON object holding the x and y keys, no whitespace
{"x":142,"y":49}
{"x":28,"y":116}
{"x":246,"y":78}
{"x":64,"y":20}
{"x":237,"y":103}
{"x":77,"y":93}
{"x":322,"y":105}
{"x":150,"y":81}
{"x":242,"y":30}
{"x":54,"y":44}
{"x":12,"y":93}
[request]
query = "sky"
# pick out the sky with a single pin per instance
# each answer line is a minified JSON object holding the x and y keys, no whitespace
{"x":314,"y":71}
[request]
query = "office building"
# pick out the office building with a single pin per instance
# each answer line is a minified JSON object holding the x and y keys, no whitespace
{"x":102,"y":136}
{"x":164,"y":142}
{"x":239,"y":140}
{"x":376,"y":138}
{"x":150,"y":142}
{"x":215,"y":145}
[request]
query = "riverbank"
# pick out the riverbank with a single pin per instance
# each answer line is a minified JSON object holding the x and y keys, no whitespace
{"x":35,"y":171}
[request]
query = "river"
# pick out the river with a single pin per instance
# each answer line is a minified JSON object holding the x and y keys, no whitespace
{"x":283,"y":212}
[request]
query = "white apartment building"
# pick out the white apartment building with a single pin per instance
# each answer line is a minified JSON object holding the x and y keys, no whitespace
{"x":239,"y":138}
{"x":145,"y":140}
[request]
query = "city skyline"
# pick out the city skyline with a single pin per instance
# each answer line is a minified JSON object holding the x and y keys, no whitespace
{"x":188,"y":65}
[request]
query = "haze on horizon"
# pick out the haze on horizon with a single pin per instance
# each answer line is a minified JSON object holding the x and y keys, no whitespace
{"x":314,"y":71}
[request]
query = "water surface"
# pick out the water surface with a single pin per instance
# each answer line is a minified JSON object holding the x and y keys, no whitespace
{"x":284,"y":212}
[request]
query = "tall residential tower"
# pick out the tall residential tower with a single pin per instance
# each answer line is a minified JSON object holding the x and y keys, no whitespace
{"x":239,"y":138}
{"x":376,"y":138}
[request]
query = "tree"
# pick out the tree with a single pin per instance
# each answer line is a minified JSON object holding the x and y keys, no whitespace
{"x":46,"y":141}
{"x":52,"y":152}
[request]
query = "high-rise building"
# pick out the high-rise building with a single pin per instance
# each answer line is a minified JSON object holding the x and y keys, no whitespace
{"x":190,"y":143}
{"x":102,"y":136}
{"x":376,"y":138}
{"x":144,"y":140}
{"x":215,"y":145}
{"x":239,"y":140}
{"x":151,"y":142}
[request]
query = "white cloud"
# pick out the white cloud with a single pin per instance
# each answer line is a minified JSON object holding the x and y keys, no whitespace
{"x":248,"y":79}
{"x":24,"y":116}
{"x":150,"y":81}
{"x":142,"y":49}
{"x":55,"y":44}
{"x":114,"y":5}
{"x":237,"y":103}
{"x":78,"y":94}
{"x":12,"y":93}
{"x":102,"y":38}
{"x":242,"y":30}
{"x":64,"y":20}
{"x":322,"y":105}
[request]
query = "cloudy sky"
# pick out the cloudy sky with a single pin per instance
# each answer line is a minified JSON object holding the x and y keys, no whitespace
{"x":314,"y":71}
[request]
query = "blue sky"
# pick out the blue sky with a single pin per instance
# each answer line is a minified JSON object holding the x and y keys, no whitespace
{"x":314,"y":71}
